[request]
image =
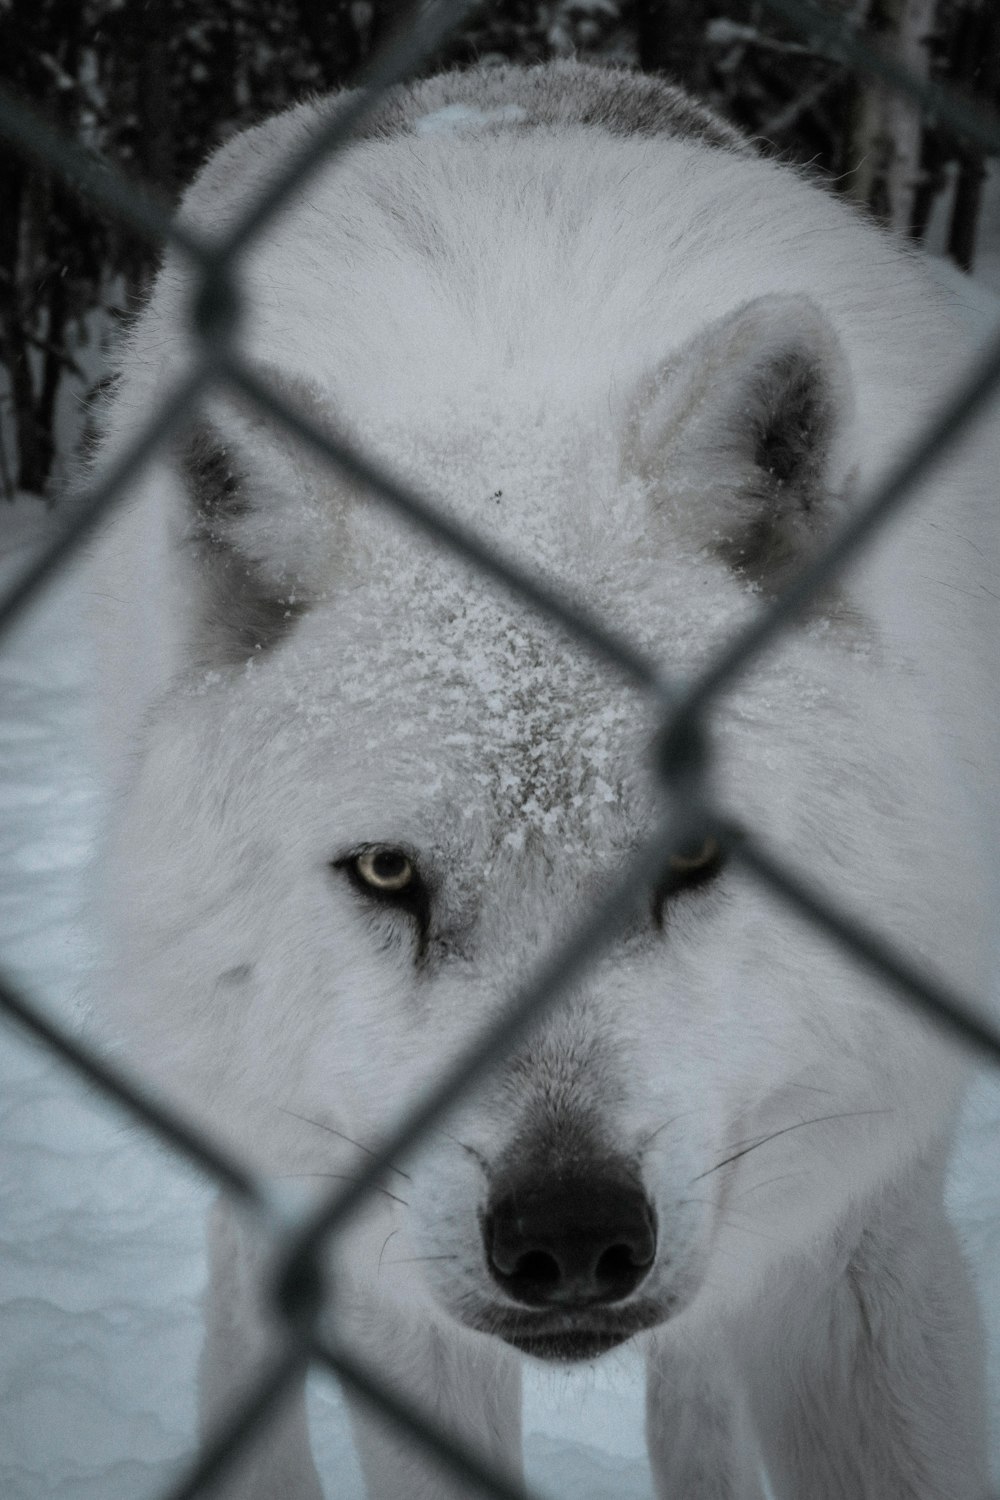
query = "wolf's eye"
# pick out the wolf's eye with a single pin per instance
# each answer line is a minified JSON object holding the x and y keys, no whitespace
{"x":389,"y":877}
{"x":388,"y":871}
{"x":699,"y":861}
{"x":687,"y":869}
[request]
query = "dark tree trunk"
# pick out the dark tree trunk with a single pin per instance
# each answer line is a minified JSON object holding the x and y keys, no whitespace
{"x":40,"y":233}
{"x":19,"y":318}
{"x":670,"y":37}
{"x":154,"y":154}
{"x":976,"y":71}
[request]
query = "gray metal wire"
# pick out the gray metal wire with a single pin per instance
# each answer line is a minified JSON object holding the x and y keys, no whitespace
{"x":682,"y":743}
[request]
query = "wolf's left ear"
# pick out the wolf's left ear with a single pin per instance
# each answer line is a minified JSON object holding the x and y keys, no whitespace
{"x":745,"y":435}
{"x":265,"y":521}
{"x":261,"y":493}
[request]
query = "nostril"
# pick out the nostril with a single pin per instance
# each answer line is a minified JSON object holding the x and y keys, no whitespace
{"x":538,"y":1269}
{"x":619,"y":1263}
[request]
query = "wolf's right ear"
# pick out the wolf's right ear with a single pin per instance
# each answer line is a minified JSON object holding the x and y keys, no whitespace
{"x":265,"y":522}
{"x":744,"y":436}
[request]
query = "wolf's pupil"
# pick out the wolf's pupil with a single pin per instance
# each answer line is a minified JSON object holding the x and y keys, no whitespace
{"x":388,"y":872}
{"x":691,"y":860}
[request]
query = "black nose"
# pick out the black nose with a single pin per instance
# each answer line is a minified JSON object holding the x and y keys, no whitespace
{"x":569,"y":1241}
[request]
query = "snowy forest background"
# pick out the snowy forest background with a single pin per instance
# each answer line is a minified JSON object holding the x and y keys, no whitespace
{"x":152,"y":86}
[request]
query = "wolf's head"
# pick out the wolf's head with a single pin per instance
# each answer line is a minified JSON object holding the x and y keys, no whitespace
{"x":380,"y":793}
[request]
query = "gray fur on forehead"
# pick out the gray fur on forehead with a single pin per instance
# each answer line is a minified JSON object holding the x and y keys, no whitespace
{"x":429,"y":665}
{"x":556,"y":93}
{"x":438,"y":675}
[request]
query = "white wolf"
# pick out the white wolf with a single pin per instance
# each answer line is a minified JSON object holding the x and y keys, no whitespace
{"x":362,"y":791}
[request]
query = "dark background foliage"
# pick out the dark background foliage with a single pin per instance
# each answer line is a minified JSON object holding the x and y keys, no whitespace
{"x":154,"y":85}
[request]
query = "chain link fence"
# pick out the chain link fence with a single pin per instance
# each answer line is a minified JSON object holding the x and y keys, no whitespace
{"x":682,"y":750}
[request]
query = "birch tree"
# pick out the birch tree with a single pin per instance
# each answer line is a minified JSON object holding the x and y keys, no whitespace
{"x":885,"y":144}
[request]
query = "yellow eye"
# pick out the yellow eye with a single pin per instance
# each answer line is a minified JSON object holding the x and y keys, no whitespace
{"x":690,"y":864}
{"x":387,"y":870}
{"x":686,"y":871}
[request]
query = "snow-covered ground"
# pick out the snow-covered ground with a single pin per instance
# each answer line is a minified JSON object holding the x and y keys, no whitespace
{"x":101,"y":1250}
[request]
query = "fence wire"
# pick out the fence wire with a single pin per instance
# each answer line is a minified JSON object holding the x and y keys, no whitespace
{"x":683,"y":742}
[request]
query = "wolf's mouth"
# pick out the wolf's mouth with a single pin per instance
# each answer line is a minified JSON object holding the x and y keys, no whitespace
{"x":571,"y":1342}
{"x":569,"y":1347}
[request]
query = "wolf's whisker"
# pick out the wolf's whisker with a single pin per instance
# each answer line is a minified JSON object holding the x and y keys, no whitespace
{"x":849,"y":1114}
{"x":345,"y":1177}
{"x":331,"y":1130}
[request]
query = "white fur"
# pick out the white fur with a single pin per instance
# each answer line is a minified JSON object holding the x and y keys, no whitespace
{"x":561,"y":332}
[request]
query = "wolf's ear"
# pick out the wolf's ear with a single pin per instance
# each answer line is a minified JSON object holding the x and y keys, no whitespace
{"x":265,"y":522}
{"x":744,"y":436}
